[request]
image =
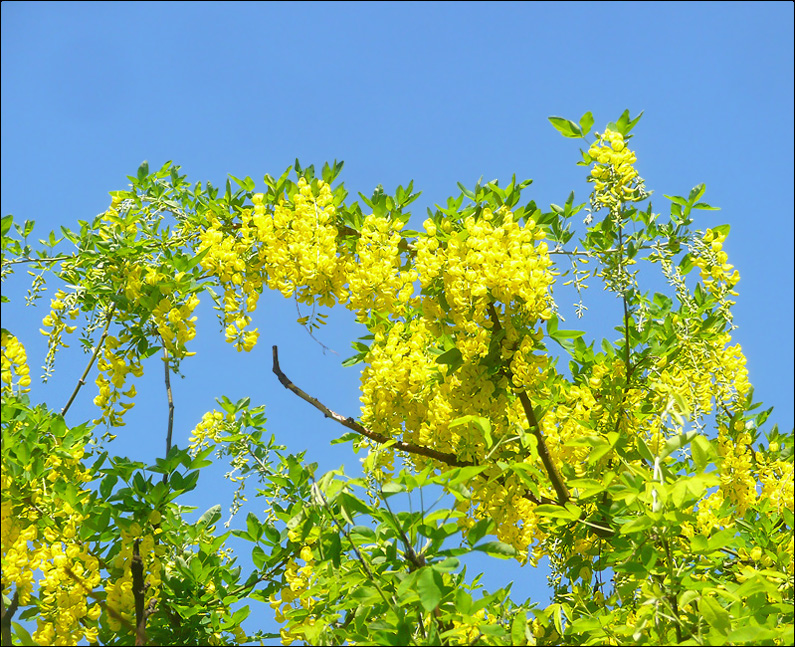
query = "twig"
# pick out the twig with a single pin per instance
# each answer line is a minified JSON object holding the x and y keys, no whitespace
{"x":52,"y":259}
{"x":170,"y":428}
{"x":319,"y":496}
{"x":350,"y":423}
{"x":91,"y":361}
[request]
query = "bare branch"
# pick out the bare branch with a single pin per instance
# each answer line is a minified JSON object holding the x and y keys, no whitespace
{"x":350,"y":423}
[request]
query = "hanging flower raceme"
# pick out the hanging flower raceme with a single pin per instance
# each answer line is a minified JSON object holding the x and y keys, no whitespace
{"x":615,"y":179}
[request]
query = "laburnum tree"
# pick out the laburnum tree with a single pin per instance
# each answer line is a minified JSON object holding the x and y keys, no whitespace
{"x":638,"y":465}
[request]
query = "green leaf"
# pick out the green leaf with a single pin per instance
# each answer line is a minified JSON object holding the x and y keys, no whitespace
{"x":696,"y":192}
{"x":701,"y":450}
{"x":483,"y":425}
{"x":5,"y":225}
{"x":678,"y":199}
{"x":705,"y":207}
{"x":586,"y":121}
{"x":447,"y":565}
{"x":519,"y":624}
{"x":566,"y":127}
{"x":677,"y":442}
{"x":469,"y":194}
{"x":143,"y":170}
{"x":258,"y":556}
{"x":210,"y":517}
{"x":20,"y":633}
{"x":715,"y":614}
{"x":429,"y":587}
{"x":253,"y":526}
{"x":569,"y":512}
{"x":497,"y":549}
{"x":587,"y":487}
{"x":453,"y":358}
{"x":636,"y":525}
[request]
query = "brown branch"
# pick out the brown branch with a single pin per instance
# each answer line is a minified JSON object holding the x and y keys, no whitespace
{"x":139,"y":592}
{"x":170,"y":398}
{"x":94,"y":356}
{"x":350,"y":423}
{"x":6,"y":615}
{"x":543,"y":451}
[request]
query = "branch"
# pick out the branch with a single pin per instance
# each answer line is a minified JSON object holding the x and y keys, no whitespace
{"x":543,"y":451}
{"x":350,"y":423}
{"x":170,"y":428}
{"x":139,"y":592}
{"x":549,"y":465}
{"x":91,"y":361}
{"x":6,"y":615}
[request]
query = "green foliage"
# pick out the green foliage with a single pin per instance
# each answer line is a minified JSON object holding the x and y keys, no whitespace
{"x":643,"y":475}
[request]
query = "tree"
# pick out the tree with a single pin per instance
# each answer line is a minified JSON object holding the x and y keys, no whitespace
{"x":638,"y":466}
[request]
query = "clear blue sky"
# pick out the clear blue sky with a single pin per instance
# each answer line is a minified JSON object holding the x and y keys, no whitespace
{"x":434,"y":92}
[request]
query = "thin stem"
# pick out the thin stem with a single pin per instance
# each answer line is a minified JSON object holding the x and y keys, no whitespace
{"x":319,"y":496}
{"x":626,"y":311}
{"x":53,"y":259}
{"x":170,"y":398}
{"x":91,"y":361}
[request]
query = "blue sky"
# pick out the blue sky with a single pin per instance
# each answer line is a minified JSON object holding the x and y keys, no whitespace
{"x":434,"y":92}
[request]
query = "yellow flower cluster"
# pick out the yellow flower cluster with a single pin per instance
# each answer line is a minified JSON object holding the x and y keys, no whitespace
{"x":566,"y":421}
{"x":175,"y":325}
{"x":207,"y":431}
{"x":14,"y":362}
{"x":293,"y":250}
{"x":376,"y":282}
{"x":497,"y":259}
{"x":466,"y":630}
{"x":114,"y":365}
{"x":713,"y":264}
{"x":296,"y":583}
{"x":406,"y":394}
{"x":69,"y":570}
{"x":29,"y":545}
{"x":398,"y":375}
{"x":19,"y":547}
{"x":60,"y":307}
{"x":706,"y":373}
{"x":492,"y":262}
{"x":614,"y":176}
{"x":229,"y":257}
{"x":737,"y":477}
{"x":778,"y":482}
{"x":299,"y":251}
